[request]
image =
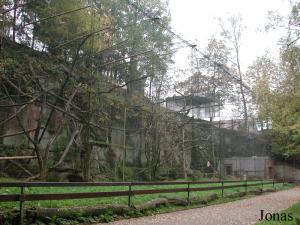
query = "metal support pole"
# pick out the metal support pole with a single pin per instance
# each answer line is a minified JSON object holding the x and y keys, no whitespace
{"x":22,"y":205}
{"x":246,"y":186}
{"x":124,"y":144}
{"x":129,"y":195}
{"x":188,"y":192}
{"x":222,"y":189}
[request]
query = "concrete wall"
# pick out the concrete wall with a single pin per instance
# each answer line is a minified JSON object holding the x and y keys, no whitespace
{"x":252,"y":167}
{"x":284,"y":171}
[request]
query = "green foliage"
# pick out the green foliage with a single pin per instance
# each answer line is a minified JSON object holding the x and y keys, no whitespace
{"x":58,"y":30}
{"x":9,"y":66}
{"x":285,"y":107}
{"x":41,"y":63}
{"x":107,"y":217}
{"x":175,"y":172}
{"x":141,"y":34}
{"x":128,"y":172}
{"x":277,"y":90}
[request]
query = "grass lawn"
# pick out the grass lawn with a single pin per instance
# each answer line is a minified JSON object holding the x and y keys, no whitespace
{"x":295,"y":210}
{"x":115,"y":200}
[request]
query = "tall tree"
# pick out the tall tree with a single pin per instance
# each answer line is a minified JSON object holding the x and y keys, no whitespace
{"x":232,"y":33}
{"x":277,"y":87}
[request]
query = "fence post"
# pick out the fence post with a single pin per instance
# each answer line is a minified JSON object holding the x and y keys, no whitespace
{"x":188,"y":192}
{"x":246,"y":186}
{"x":129,"y":195}
{"x":21,"y":199}
{"x":262,"y":185}
{"x":222,"y":189}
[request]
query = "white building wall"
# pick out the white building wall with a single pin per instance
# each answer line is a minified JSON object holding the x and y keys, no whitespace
{"x":250,"y":166}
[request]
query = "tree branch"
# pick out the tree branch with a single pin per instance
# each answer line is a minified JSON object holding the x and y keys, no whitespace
{"x":21,"y":167}
{"x":123,"y":85}
{"x":18,"y":133}
{"x":73,"y":136}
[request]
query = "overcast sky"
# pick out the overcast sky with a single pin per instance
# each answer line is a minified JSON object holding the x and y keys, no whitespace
{"x":196,"y":21}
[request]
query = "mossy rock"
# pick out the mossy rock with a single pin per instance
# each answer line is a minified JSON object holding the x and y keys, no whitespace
{"x":236,"y":194}
{"x":205,"y":199}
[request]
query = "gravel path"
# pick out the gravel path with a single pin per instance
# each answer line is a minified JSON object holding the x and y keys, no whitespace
{"x":242,"y":212}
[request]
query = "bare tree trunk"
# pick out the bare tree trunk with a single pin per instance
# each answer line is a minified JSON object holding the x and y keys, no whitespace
{"x":141,"y":142}
{"x":14,"y":20}
{"x":69,"y":145}
{"x":86,"y":169}
{"x":234,"y":36}
{"x":42,"y":168}
{"x":33,"y":36}
{"x":242,"y":91}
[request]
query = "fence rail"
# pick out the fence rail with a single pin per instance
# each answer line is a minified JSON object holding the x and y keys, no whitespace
{"x":22,"y":197}
{"x":90,"y":184}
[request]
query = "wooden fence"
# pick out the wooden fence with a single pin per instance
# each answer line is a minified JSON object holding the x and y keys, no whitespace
{"x":22,"y":197}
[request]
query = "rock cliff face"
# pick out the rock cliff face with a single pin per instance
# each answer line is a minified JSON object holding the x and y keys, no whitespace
{"x":107,"y":158}
{"x":130,"y":136}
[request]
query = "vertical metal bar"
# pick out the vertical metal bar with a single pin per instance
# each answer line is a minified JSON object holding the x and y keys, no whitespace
{"x":21,"y":199}
{"x":188,"y":192}
{"x":262,"y":185}
{"x":129,"y":195}
{"x":246,"y":186}
{"x":124,"y":144}
{"x":222,"y":189}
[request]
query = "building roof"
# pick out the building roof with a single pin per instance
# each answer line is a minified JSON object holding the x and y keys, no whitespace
{"x":193,"y":100}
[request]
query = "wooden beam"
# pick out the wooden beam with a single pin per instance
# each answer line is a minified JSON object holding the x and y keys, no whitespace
{"x":17,"y":157}
{"x":18,"y":133}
